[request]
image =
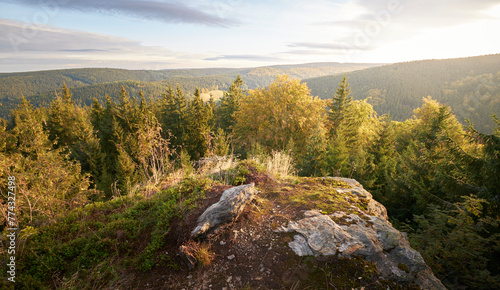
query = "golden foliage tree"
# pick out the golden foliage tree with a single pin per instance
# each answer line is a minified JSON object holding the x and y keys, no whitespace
{"x":284,"y":112}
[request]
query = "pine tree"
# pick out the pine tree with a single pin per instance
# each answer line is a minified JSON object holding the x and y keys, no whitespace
{"x":480,"y":169}
{"x":107,"y":129}
{"x":340,"y":101}
{"x":220,"y":143}
{"x":382,"y":164}
{"x":125,"y":111}
{"x":197,"y":127}
{"x":143,"y":103}
{"x":105,"y":126}
{"x":96,"y":112}
{"x":167,"y":108}
{"x":175,"y":117}
{"x":31,"y":138}
{"x":229,"y":105}
{"x":67,"y":124}
{"x":211,"y":108}
{"x":312,"y":161}
{"x":66,"y":93}
{"x":125,"y":171}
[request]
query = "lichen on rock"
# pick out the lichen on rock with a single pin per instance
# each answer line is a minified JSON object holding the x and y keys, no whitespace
{"x":330,"y":220}
{"x":371,"y":237}
{"x":373,"y":207}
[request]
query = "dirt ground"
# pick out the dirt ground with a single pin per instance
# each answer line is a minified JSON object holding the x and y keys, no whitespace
{"x":250,"y":254}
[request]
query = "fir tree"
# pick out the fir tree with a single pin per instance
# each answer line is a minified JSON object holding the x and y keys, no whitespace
{"x":211,"y":108}
{"x":31,"y":138}
{"x":340,"y":101}
{"x":229,"y":104}
{"x":66,"y":93}
{"x":125,"y":111}
{"x":177,"y":118}
{"x":96,"y":112}
{"x":197,"y":128}
{"x":125,"y":169}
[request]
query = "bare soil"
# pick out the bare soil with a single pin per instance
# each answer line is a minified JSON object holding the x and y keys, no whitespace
{"x":250,"y":254}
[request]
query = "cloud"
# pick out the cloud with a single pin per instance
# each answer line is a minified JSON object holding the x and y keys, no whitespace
{"x":339,"y":46}
{"x":165,"y":11}
{"x":84,"y":50}
{"x":244,"y":57}
{"x":309,"y":52}
{"x":28,"y":45}
{"x":410,"y":16}
{"x":365,"y":25}
{"x":27,"y":37}
{"x":424,"y":13}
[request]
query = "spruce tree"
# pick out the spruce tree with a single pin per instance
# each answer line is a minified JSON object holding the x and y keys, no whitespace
{"x":211,"y":108}
{"x":96,"y":112}
{"x":177,"y":118}
{"x":125,"y":171}
{"x":31,"y":138}
{"x":167,"y":108}
{"x":125,"y":111}
{"x":197,"y":127}
{"x":340,"y":101}
{"x":229,"y":104}
{"x":68,"y":125}
{"x":143,"y":104}
{"x":66,"y":93}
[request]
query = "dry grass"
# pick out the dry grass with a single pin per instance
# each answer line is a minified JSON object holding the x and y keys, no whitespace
{"x":204,"y":255}
{"x":215,"y":164}
{"x":279,"y":164}
{"x":201,"y":251}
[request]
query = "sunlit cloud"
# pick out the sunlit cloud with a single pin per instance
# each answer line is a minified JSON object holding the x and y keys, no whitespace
{"x":245,"y":57}
{"x":165,"y":11}
{"x":46,"y":44}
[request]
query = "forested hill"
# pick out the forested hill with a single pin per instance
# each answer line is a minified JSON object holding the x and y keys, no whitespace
{"x":12,"y":85}
{"x":471,"y":86}
{"x":89,"y":83}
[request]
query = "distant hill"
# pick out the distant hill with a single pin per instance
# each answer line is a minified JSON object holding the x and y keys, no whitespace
{"x":89,"y":83}
{"x":471,"y":86}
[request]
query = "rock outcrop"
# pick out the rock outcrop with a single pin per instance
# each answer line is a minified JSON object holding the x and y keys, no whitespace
{"x":230,"y":205}
{"x":332,"y":219}
{"x":370,"y":237}
{"x":373,"y":207}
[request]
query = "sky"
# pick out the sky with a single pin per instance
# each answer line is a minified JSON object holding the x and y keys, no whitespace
{"x":166,"y":34}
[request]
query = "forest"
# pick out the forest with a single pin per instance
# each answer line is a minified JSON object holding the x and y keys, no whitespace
{"x":438,"y":179}
{"x":88,"y":83}
{"x":470,"y":86}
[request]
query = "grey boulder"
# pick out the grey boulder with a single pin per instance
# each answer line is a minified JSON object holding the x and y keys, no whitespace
{"x":371,"y":237}
{"x":229,"y":207}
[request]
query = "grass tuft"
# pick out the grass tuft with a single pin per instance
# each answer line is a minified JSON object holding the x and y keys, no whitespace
{"x":201,"y":251}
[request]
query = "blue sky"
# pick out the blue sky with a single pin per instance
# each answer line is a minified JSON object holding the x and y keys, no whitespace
{"x":163,"y":34}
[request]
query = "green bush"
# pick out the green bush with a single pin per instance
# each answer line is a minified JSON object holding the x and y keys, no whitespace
{"x":460,"y":244}
{"x":88,"y":241}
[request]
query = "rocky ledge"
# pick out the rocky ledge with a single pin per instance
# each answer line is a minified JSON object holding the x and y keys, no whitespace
{"x":369,"y":236}
{"x":314,"y":218}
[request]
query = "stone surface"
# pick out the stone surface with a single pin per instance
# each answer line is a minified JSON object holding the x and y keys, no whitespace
{"x":373,"y":207}
{"x":300,"y":246}
{"x":371,"y":237}
{"x":230,"y":205}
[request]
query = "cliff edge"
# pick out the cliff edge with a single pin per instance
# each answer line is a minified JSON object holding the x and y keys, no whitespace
{"x":305,"y":232}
